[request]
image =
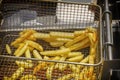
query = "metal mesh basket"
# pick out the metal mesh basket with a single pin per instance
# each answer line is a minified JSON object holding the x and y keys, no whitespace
{"x":46,"y":16}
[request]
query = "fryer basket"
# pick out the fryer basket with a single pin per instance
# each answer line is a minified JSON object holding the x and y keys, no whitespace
{"x":46,"y":16}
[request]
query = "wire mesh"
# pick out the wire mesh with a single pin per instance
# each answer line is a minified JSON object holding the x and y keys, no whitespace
{"x":37,"y":14}
{"x":9,"y":67}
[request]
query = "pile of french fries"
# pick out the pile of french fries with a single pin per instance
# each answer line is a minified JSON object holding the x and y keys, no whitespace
{"x":69,"y":45}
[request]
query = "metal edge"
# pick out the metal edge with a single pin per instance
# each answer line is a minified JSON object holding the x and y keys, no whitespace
{"x":35,"y":59}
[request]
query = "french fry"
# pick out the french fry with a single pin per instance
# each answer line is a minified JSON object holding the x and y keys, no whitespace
{"x":62,"y":35}
{"x":56,"y":58}
{"x":75,"y":40}
{"x":56,"y":44}
{"x":39,"y":67}
{"x":66,"y":77}
{"x":24,"y":64}
{"x":85,"y":60}
{"x":21,"y":52}
{"x":74,"y":68}
{"x":94,"y":77}
{"x":31,"y":38}
{"x":62,"y":47}
{"x":73,"y":54}
{"x":51,"y":39}
{"x":41,"y":35}
{"x":36,"y":54}
{"x":24,"y":31}
{"x":63,"y":40}
{"x":8,"y":49}
{"x":46,"y":58}
{"x":17,"y":73}
{"x":49,"y":72}
{"x":91,"y":68}
{"x":7,"y":78}
{"x":92,"y":51}
{"x":90,"y":35}
{"x":30,"y":48}
{"x":79,"y":45}
{"x":76,"y":58}
{"x":22,"y":38}
{"x":59,"y":65}
{"x":19,"y":48}
{"x":78,"y":33}
{"x":34,"y":45}
{"x":85,"y":46}
{"x":82,"y":73}
{"x":76,"y":76}
{"x":60,"y":52}
{"x":28,"y":55}
{"x":28,"y":77}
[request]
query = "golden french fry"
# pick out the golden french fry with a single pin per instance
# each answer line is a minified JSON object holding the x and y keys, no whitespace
{"x":8,"y":49}
{"x":74,"y":68}
{"x":91,"y":68}
{"x":21,"y":52}
{"x":28,"y":55}
{"x":73,"y":54}
{"x":41,"y":35}
{"x":76,"y":58}
{"x":91,"y":37}
{"x":34,"y":45}
{"x":39,"y":67}
{"x":85,"y":60}
{"x":92,"y":51}
{"x":85,"y":46}
{"x":66,"y":77}
{"x":49,"y":72}
{"x":75,"y":40}
{"x":31,"y":38}
{"x":24,"y":64}
{"x":56,"y":58}
{"x":62,"y":47}
{"x":22,"y":38}
{"x":60,"y":52}
{"x":30,"y":48}
{"x":62,"y":34}
{"x":19,"y":48}
{"x":63,"y":39}
{"x":51,"y":39}
{"x":17,"y":73}
{"x":18,"y":40}
{"x":79,"y":45}
{"x":91,"y":29}
{"x":59,"y":65}
{"x":24,"y":31}
{"x":83,"y":72}
{"x":46,"y":58}
{"x":28,"y":77}
{"x":36,"y":54}
{"x":56,"y":44}
{"x":76,"y":77}
{"x":7,"y":78}
{"x":94,"y":77}
{"x":78,"y":33}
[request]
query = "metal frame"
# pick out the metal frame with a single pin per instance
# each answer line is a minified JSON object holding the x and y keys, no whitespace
{"x":110,"y":64}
